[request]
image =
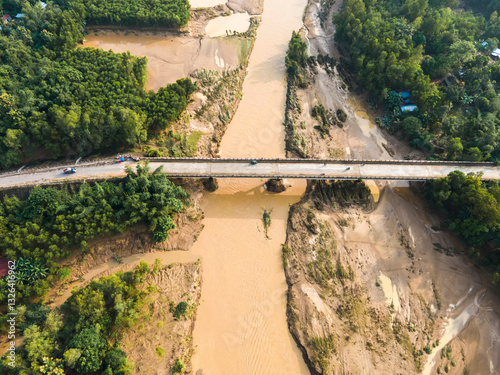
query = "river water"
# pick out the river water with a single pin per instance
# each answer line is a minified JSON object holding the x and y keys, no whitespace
{"x":172,"y":57}
{"x":241,"y":323}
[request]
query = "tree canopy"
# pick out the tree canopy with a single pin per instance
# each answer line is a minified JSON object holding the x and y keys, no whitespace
{"x":472,"y":208}
{"x":414,"y":46}
{"x":83,"y":336}
{"x":56,"y":99}
{"x":52,"y":222}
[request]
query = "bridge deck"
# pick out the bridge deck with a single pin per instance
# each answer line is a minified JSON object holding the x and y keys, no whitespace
{"x":322,"y":170}
{"x":270,"y":168}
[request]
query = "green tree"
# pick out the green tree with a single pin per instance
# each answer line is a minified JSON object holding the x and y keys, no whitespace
{"x":38,"y":344}
{"x":411,"y":127}
{"x":296,"y":55}
{"x":454,"y":148}
{"x":92,"y":346}
{"x":116,"y":360}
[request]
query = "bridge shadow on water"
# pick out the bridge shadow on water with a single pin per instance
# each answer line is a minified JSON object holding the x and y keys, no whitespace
{"x":232,"y":203}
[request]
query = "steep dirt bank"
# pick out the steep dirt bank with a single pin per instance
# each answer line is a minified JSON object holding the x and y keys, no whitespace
{"x":374,"y":292}
{"x":370,"y":293}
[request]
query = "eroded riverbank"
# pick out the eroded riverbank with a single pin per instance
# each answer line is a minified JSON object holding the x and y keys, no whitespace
{"x":241,"y":322}
{"x":391,"y":300}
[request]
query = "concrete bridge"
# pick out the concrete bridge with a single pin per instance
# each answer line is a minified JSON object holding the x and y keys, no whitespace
{"x":264,"y":168}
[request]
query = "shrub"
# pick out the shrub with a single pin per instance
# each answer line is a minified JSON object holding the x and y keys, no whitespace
{"x":181,"y":309}
{"x":179,"y":367}
{"x":154,"y":153}
{"x":341,"y":115}
{"x":160,"y":352}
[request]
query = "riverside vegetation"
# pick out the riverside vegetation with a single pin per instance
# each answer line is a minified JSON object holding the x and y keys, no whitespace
{"x":86,"y":334}
{"x":472,"y":211}
{"x":51,"y":223}
{"x":413,"y":46}
{"x":56,"y":99}
{"x":300,"y":72}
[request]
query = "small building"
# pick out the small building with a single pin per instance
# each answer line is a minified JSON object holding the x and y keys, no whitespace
{"x":408,"y":108}
{"x":43,"y":5}
{"x":496,"y":53}
{"x":19,"y":15}
{"x":6,"y":18}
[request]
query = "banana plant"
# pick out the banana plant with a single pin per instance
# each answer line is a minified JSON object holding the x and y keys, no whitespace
{"x":30,"y":270}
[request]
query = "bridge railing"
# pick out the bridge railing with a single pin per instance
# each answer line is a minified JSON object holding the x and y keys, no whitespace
{"x":305,"y":177}
{"x":314,"y":161}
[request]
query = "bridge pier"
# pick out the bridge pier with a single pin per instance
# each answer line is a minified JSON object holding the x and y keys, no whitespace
{"x":276,"y":185}
{"x":210,"y":184}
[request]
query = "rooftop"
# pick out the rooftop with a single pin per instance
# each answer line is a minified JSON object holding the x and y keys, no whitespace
{"x":408,"y":108}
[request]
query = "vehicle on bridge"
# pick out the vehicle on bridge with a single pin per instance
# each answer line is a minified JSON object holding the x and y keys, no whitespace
{"x":122,"y":158}
{"x":69,"y":170}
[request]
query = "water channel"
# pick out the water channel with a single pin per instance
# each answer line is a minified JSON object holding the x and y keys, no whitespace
{"x":241,"y":323}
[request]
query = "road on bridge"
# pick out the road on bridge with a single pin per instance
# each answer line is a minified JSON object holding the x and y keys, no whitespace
{"x":242,"y":168}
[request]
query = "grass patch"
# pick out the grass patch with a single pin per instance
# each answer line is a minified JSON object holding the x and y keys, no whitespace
{"x":192,"y":141}
{"x":285,"y":253}
{"x":352,"y":309}
{"x":322,"y":270}
{"x":160,"y":352}
{"x":179,"y":367}
{"x":323,"y":348}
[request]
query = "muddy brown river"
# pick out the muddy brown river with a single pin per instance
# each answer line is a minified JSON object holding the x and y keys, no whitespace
{"x":241,"y":322}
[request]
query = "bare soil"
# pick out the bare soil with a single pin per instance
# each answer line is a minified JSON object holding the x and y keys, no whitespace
{"x":398,"y":292}
{"x":386,"y":291}
{"x":158,"y":340}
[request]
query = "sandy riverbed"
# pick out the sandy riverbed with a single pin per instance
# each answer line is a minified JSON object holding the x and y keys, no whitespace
{"x":441,"y":295}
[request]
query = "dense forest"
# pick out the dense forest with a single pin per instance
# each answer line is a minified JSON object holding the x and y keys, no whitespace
{"x":56,"y":99}
{"x":165,"y":13}
{"x":51,"y":223}
{"x":84,"y":335}
{"x":441,"y":56}
{"x":485,"y":6}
